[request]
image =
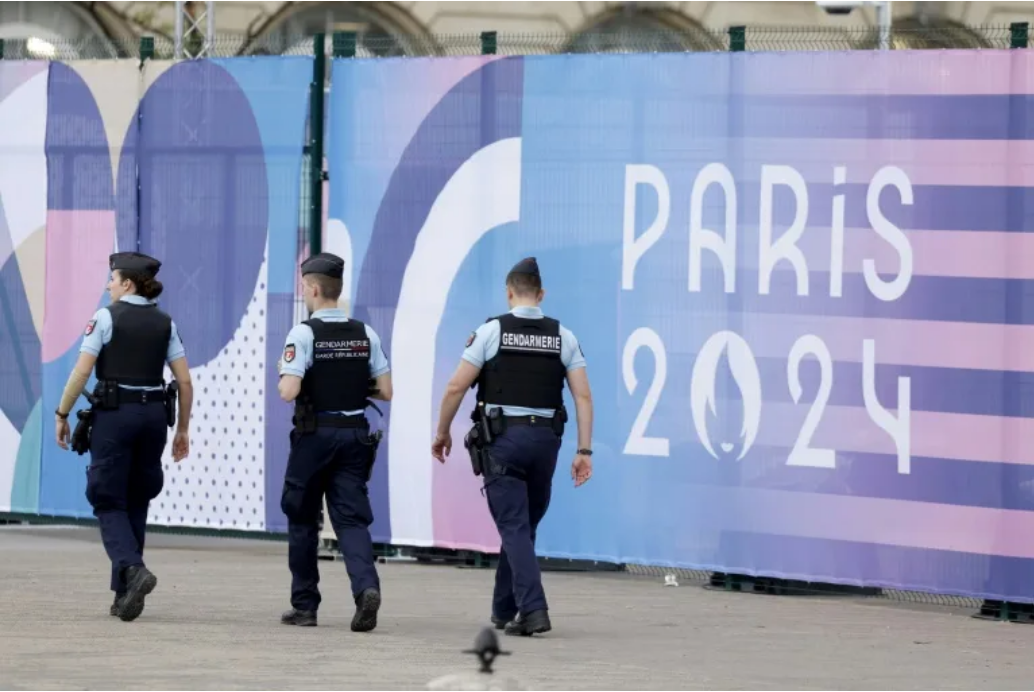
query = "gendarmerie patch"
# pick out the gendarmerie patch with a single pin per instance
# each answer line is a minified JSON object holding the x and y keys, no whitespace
{"x":529,"y":343}
{"x":341,"y":349}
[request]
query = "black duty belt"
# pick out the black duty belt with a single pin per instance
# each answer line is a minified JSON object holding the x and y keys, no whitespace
{"x":328,"y":421}
{"x":140,"y":396}
{"x":533,"y":421}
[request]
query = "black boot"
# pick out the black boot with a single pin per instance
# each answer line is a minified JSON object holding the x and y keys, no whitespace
{"x":115,"y":606}
{"x":499,"y":623}
{"x":536,"y":622}
{"x":366,"y":606}
{"x":301,"y":618}
{"x":139,"y":582}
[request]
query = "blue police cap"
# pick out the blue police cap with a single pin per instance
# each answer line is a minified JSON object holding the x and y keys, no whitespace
{"x":134,"y":262}
{"x":324,"y":263}
{"x":528,"y":265}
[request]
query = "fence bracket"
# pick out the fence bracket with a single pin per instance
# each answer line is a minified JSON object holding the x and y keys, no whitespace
{"x":737,"y":39}
{"x":489,"y":42}
{"x":1019,"y":34}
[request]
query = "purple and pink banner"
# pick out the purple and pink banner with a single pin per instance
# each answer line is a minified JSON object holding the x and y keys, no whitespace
{"x":802,"y":282}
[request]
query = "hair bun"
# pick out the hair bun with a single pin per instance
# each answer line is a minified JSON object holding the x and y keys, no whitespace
{"x":151,"y":288}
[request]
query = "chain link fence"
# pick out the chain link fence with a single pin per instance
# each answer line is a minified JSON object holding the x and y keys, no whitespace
{"x":904,"y":36}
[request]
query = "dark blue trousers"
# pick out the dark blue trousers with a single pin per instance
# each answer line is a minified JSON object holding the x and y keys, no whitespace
{"x":518,"y":485}
{"x":124,"y":475}
{"x":334,"y":462}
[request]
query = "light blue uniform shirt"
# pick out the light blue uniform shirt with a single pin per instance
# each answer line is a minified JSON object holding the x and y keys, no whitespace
{"x":486,"y":344}
{"x":301,"y":337}
{"x":99,"y":332}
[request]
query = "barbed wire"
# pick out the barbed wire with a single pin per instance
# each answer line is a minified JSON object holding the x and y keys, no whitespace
{"x":908,"y":36}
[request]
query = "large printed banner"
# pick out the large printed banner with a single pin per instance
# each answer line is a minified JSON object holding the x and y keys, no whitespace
{"x":199,"y":164}
{"x":802,"y":283}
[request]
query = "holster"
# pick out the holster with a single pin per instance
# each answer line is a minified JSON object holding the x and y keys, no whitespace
{"x":83,"y":429}
{"x":105,"y":395}
{"x":375,"y":442}
{"x":477,"y":450}
{"x":171,"y":391}
{"x":559,"y":420}
{"x":304,"y":418}
{"x":477,"y":440}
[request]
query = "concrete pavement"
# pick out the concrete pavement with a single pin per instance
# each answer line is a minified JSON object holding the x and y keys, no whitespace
{"x":213,"y":623}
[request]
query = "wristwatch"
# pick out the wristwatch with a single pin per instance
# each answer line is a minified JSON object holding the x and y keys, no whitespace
{"x":62,"y":416}
{"x":584,"y":452}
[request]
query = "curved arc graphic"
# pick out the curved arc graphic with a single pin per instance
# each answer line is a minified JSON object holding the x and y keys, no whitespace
{"x":485,"y":193}
{"x":425,"y":167}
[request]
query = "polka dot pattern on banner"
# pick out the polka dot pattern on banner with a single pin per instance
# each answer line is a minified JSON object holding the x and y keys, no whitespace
{"x":221,"y":485}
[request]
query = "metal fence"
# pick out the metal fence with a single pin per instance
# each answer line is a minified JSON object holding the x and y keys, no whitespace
{"x":908,"y":35}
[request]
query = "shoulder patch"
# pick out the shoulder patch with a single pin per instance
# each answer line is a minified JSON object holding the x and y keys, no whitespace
{"x":470,"y":339}
{"x":90,"y":327}
{"x":289,"y":353}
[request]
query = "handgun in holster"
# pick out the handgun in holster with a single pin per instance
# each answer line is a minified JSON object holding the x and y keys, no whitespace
{"x":84,"y":428}
{"x":478,"y":439}
{"x":559,"y":419}
{"x":171,"y":391}
{"x":375,"y":442}
{"x":304,"y":418}
{"x":376,"y":437}
{"x":472,"y":442}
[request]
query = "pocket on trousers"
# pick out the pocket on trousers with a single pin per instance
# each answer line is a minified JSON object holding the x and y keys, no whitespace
{"x":103,"y":489}
{"x":293,"y":503}
{"x":151,"y":483}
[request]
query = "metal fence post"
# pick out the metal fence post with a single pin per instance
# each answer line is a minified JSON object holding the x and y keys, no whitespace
{"x":146,"y":49}
{"x":489,"y":42}
{"x":1019,"y":34}
{"x":319,"y":75}
{"x":343,"y":44}
{"x":737,"y":39}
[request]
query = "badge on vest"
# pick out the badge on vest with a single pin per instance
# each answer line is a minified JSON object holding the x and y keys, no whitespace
{"x":340,"y":349}
{"x":90,"y":326}
{"x":289,"y":353}
{"x":530,"y":343}
{"x":470,"y":339}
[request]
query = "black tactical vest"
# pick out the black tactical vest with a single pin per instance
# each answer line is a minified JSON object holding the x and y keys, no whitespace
{"x":339,"y":378}
{"x":135,"y":355}
{"x":527,"y":370}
